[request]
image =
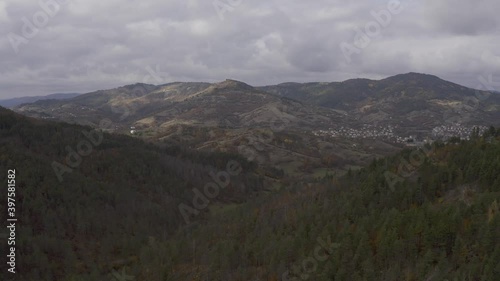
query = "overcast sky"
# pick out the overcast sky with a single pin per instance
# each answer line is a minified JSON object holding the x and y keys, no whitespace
{"x":85,"y":45}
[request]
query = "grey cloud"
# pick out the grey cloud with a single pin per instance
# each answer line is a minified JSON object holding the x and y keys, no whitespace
{"x":94,"y":44}
{"x":464,"y":17}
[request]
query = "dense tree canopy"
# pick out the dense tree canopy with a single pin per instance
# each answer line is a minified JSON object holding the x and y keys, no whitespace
{"x":435,"y":218}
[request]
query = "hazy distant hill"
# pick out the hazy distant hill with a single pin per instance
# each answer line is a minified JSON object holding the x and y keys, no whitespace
{"x":9,"y":103}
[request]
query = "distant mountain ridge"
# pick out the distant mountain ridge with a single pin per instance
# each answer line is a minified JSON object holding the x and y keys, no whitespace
{"x":410,"y":98}
{"x":228,"y":103}
{"x":415,"y":101}
{"x":229,"y":116}
{"x":13,"y":102}
{"x":291,"y":128}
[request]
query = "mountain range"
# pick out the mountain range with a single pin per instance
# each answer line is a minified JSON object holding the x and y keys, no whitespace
{"x":9,"y":103}
{"x":418,"y":100}
{"x":293,"y":127}
{"x":410,"y":100}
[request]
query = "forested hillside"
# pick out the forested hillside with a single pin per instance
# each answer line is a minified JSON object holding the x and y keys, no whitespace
{"x":436,"y":218}
{"x":430,"y":214}
{"x":86,"y":217}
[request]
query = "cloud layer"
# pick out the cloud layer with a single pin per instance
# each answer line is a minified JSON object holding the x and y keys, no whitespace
{"x":84,"y":45}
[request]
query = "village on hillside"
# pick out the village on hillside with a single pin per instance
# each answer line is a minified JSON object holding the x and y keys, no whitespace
{"x":389,"y":133}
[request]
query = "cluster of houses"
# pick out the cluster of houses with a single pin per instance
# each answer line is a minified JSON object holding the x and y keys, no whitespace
{"x":387,"y":133}
{"x":365,"y":132}
{"x":455,"y":130}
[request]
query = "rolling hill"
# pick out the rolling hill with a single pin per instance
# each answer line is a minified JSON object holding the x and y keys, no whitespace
{"x":411,"y":100}
{"x":290,"y":128}
{"x":81,"y":214}
{"x":230,"y":116}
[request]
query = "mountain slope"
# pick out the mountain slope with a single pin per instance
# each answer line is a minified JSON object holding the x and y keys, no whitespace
{"x":437,"y":218}
{"x":413,"y":100}
{"x":230,"y":103}
{"x":87,"y":201}
{"x":230,"y":116}
{"x":301,"y":129}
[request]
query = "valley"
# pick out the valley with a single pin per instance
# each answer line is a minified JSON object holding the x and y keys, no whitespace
{"x":229,"y":181}
{"x":296,"y":126}
{"x":232,"y":140}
